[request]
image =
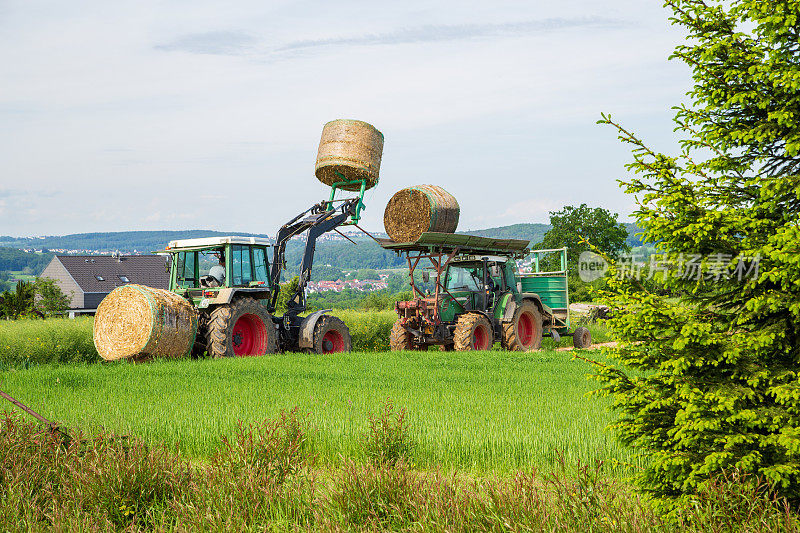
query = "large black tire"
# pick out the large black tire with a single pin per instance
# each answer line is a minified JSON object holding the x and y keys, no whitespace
{"x":331,"y":335}
{"x":524,"y":332}
{"x":240,"y":328}
{"x":400,"y":338}
{"x":473,"y":332}
{"x":581,"y":337}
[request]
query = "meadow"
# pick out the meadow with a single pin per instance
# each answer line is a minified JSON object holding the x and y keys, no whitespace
{"x":480,"y":411}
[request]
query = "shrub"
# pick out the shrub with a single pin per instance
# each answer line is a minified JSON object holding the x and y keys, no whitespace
{"x":270,"y":451}
{"x":388,"y":440}
{"x":369,"y":330}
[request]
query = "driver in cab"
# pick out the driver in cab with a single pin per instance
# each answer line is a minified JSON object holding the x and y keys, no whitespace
{"x":216,"y":274}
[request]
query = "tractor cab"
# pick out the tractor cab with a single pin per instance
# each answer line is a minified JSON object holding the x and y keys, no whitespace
{"x":210,"y":270}
{"x":476,"y":282}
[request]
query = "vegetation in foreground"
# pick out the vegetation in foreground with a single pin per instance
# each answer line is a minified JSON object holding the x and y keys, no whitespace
{"x":477,"y":411}
{"x":266,"y":478}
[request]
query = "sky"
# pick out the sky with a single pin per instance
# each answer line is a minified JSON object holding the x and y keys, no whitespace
{"x":178,"y":114}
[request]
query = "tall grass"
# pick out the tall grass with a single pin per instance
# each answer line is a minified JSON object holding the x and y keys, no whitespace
{"x":265,"y":479}
{"x":54,"y":340}
{"x":60,"y":340}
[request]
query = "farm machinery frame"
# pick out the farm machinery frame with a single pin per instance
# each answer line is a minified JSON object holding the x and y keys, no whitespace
{"x":480,"y":296}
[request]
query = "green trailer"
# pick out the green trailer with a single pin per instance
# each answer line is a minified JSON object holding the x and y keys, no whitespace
{"x":479,"y":295}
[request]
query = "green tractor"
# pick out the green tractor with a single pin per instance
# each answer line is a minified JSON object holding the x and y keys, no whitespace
{"x":234,"y":288}
{"x":479,"y":296}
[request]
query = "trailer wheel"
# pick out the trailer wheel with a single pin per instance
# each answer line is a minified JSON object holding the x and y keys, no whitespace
{"x":240,"y":328}
{"x":581,"y":337}
{"x":524,"y":332}
{"x":400,"y":338}
{"x":331,"y":335}
{"x":473,"y":332}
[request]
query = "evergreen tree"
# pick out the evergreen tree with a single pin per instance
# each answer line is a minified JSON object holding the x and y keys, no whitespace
{"x":708,"y":382}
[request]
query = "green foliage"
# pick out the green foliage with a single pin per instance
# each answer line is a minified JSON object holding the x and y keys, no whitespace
{"x":572,"y":226}
{"x":707,"y":381}
{"x":18,"y":303}
{"x":19,"y":260}
{"x":41,"y":297}
{"x":326,"y":273}
{"x":285,"y":294}
{"x":49,"y":299}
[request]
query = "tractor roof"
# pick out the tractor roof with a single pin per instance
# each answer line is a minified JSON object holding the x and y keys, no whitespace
{"x":208,"y":242}
{"x":464,"y":244}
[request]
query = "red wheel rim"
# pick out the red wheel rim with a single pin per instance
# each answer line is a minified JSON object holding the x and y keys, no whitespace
{"x":332,"y":341}
{"x":525,"y":329}
{"x":249,"y":336}
{"x":480,"y":338}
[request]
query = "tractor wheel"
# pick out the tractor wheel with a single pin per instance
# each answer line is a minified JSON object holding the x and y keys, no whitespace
{"x":524,"y":332}
{"x":331,"y":335}
{"x":581,"y":337}
{"x":473,"y":332}
{"x":400,"y":338}
{"x":240,"y":328}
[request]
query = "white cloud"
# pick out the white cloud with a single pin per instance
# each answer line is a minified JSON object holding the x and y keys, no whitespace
{"x":117,"y":105}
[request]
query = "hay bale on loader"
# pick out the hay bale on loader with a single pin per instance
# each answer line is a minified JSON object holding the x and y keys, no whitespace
{"x":139,"y":322}
{"x":419,"y":209}
{"x":351,"y":148}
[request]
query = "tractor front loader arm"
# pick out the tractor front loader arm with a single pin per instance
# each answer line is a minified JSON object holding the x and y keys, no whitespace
{"x":318,"y":220}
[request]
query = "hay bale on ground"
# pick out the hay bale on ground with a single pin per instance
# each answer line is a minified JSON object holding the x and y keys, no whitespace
{"x":352,"y":148}
{"x":135,"y":321}
{"x":416,"y":210}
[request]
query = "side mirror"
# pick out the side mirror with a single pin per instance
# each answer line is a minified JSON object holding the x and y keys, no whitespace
{"x":495,"y":271}
{"x":426,"y":276}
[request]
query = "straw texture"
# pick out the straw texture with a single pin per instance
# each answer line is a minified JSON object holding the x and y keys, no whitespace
{"x":416,"y":210}
{"x":351,"y":148}
{"x":139,"y":322}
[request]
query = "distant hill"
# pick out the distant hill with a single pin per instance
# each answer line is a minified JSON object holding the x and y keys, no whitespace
{"x":340,"y":254}
{"x":122,"y":241}
{"x":530,"y":232}
{"x":535,"y":232}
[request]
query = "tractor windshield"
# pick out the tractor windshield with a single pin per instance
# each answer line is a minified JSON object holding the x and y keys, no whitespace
{"x":209,"y":259}
{"x":464,"y":278}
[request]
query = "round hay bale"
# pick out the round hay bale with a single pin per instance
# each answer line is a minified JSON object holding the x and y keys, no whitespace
{"x":135,"y":321}
{"x":416,"y":210}
{"x":353,"y":149}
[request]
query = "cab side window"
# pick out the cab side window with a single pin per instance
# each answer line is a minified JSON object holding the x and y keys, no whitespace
{"x":260,"y":264}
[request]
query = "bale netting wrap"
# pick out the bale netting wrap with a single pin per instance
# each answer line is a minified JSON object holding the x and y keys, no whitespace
{"x":353,"y":149}
{"x":416,"y":210}
{"x":135,"y":321}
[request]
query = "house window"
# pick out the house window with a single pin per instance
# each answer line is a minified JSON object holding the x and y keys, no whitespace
{"x":99,"y":278}
{"x":124,"y":279}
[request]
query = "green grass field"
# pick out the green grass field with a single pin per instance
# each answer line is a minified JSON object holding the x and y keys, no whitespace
{"x":481,"y":411}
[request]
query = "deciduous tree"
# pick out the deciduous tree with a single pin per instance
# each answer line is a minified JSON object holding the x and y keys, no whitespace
{"x":573,"y":226}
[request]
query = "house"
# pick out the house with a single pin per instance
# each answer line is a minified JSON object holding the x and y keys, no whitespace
{"x":89,"y":278}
